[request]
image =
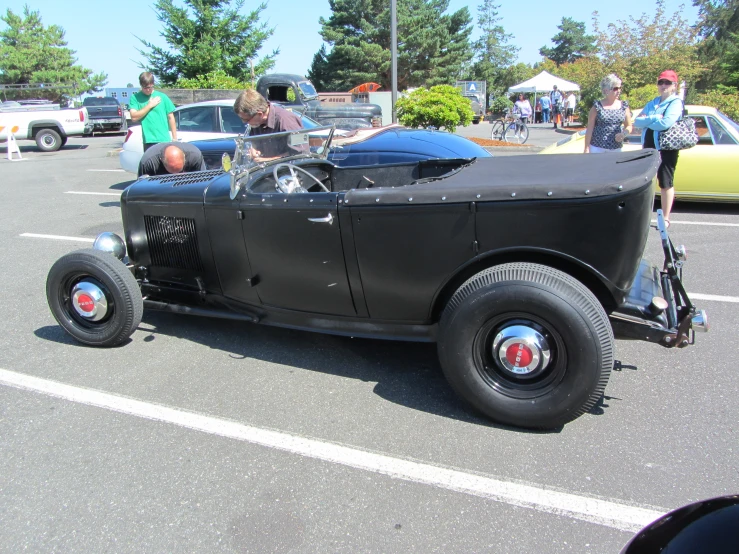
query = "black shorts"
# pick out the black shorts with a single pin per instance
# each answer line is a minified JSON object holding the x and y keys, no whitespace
{"x":569,"y":112}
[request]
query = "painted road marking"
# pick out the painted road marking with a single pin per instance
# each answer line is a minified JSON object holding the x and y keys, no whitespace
{"x":717,"y":298}
{"x":603,"y":512}
{"x":108,"y":170}
{"x":709,"y":223}
{"x":94,"y":193}
{"x":57,"y":237}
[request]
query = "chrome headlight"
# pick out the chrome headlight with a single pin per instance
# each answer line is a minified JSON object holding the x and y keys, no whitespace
{"x":111,"y":243}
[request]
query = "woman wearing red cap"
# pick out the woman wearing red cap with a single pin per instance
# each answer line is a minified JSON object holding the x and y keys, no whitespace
{"x":659,"y":115}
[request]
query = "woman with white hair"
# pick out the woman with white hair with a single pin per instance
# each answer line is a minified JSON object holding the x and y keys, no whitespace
{"x":609,"y":120}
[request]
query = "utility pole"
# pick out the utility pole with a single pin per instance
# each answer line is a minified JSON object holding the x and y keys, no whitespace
{"x":394,"y":53}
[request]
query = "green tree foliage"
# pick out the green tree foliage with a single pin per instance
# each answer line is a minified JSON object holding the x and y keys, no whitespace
{"x":214,"y":80}
{"x":441,"y":106}
{"x":206,"y":36}
{"x":31,"y":53}
{"x":321,"y":73}
{"x":493,"y":53}
{"x":722,"y":98}
{"x":730,"y":61}
{"x":638,"y":50}
{"x":638,"y":97}
{"x":718,"y":27}
{"x":571,"y":43}
{"x":433,"y":47}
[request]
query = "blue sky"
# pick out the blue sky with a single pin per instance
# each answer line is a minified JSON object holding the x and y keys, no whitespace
{"x":104,"y":33}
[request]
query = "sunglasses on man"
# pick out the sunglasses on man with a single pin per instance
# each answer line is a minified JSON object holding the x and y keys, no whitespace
{"x":664,"y":82}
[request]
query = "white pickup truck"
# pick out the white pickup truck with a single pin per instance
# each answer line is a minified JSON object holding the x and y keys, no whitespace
{"x":48,"y":125}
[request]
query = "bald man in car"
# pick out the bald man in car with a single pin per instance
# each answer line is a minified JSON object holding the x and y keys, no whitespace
{"x":171,"y":157}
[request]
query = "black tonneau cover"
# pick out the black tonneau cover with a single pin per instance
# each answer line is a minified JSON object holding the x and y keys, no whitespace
{"x":534,"y":177}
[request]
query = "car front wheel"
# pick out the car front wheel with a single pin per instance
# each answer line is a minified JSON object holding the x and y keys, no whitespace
{"x":526,"y":345}
{"x":94,"y":297}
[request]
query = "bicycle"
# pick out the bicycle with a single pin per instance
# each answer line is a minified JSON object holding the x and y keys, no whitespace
{"x":510,"y":128}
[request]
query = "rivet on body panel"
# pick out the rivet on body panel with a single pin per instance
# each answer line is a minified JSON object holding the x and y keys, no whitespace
{"x":620,"y":187}
{"x":513,"y":195}
{"x":587,"y":192}
{"x":410,"y":199}
{"x":478,"y":196}
{"x":443,"y":197}
{"x":377,"y":199}
{"x":549,"y":193}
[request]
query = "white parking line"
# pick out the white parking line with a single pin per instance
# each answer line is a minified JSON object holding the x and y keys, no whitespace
{"x":708,"y":223}
{"x":108,"y":170}
{"x":594,"y":510}
{"x":57,"y":237}
{"x":94,"y":193}
{"x":717,"y":298}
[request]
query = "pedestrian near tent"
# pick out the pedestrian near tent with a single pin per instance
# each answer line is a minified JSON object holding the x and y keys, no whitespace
{"x":609,"y":120}
{"x":523,"y":108}
{"x":154,"y":110}
{"x":570,"y":103}
{"x":171,"y":157}
{"x":545,"y":102}
{"x":657,"y":116}
{"x":557,"y":103}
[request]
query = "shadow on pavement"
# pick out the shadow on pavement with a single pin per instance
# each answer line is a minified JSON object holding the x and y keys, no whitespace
{"x":405,"y":373}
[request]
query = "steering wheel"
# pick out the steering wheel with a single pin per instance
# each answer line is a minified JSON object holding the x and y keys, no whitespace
{"x":288,"y":186}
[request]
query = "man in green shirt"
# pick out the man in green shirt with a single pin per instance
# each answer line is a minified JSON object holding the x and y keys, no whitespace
{"x":155,"y":112}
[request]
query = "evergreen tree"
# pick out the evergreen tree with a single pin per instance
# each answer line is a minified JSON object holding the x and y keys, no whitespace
{"x":718,"y":26}
{"x":571,"y":43}
{"x":494,"y":54}
{"x":31,"y":53}
{"x":433,"y":47}
{"x":205,"y":37}
{"x":320,"y":72}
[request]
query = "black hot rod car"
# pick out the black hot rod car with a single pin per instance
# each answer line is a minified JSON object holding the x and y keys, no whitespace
{"x":521,"y":272}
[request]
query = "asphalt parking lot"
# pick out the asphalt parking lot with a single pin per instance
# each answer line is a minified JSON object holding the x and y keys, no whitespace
{"x":207,"y":435}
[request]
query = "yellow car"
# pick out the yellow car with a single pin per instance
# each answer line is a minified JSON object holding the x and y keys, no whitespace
{"x":708,"y":171}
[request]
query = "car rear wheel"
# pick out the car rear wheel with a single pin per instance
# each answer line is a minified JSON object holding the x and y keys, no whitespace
{"x":526,"y":345}
{"x":48,"y":140}
{"x":94,"y":297}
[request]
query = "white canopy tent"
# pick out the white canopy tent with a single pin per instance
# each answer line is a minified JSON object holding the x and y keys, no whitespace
{"x":543,"y":82}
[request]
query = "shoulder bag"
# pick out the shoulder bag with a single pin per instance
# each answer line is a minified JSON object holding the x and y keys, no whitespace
{"x":680,"y":136}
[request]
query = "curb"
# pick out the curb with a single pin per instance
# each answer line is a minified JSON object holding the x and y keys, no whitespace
{"x":530,"y":149}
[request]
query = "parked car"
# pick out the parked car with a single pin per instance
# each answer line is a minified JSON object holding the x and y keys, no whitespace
{"x":201,"y":120}
{"x":46,"y":124}
{"x":477,"y":109}
{"x":482,"y":255}
{"x":216,"y":120}
{"x":705,"y":526}
{"x":708,"y":171}
{"x":383,"y":145}
{"x":105,"y":113}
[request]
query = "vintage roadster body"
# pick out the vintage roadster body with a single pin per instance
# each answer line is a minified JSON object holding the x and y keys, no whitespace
{"x":521,"y":272}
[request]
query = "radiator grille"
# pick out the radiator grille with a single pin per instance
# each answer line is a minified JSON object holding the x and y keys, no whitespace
{"x":179,"y":179}
{"x":173,"y":242}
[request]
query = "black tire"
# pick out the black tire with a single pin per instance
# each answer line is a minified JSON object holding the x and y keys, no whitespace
{"x":510,"y":301}
{"x":121,"y":293}
{"x":64,"y":140}
{"x":48,"y":140}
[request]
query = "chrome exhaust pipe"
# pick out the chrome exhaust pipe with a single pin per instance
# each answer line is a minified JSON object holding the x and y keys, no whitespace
{"x":699,"y":322}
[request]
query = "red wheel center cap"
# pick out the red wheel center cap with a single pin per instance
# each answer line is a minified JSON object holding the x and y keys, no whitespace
{"x":519,"y":355}
{"x":85,"y":302}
